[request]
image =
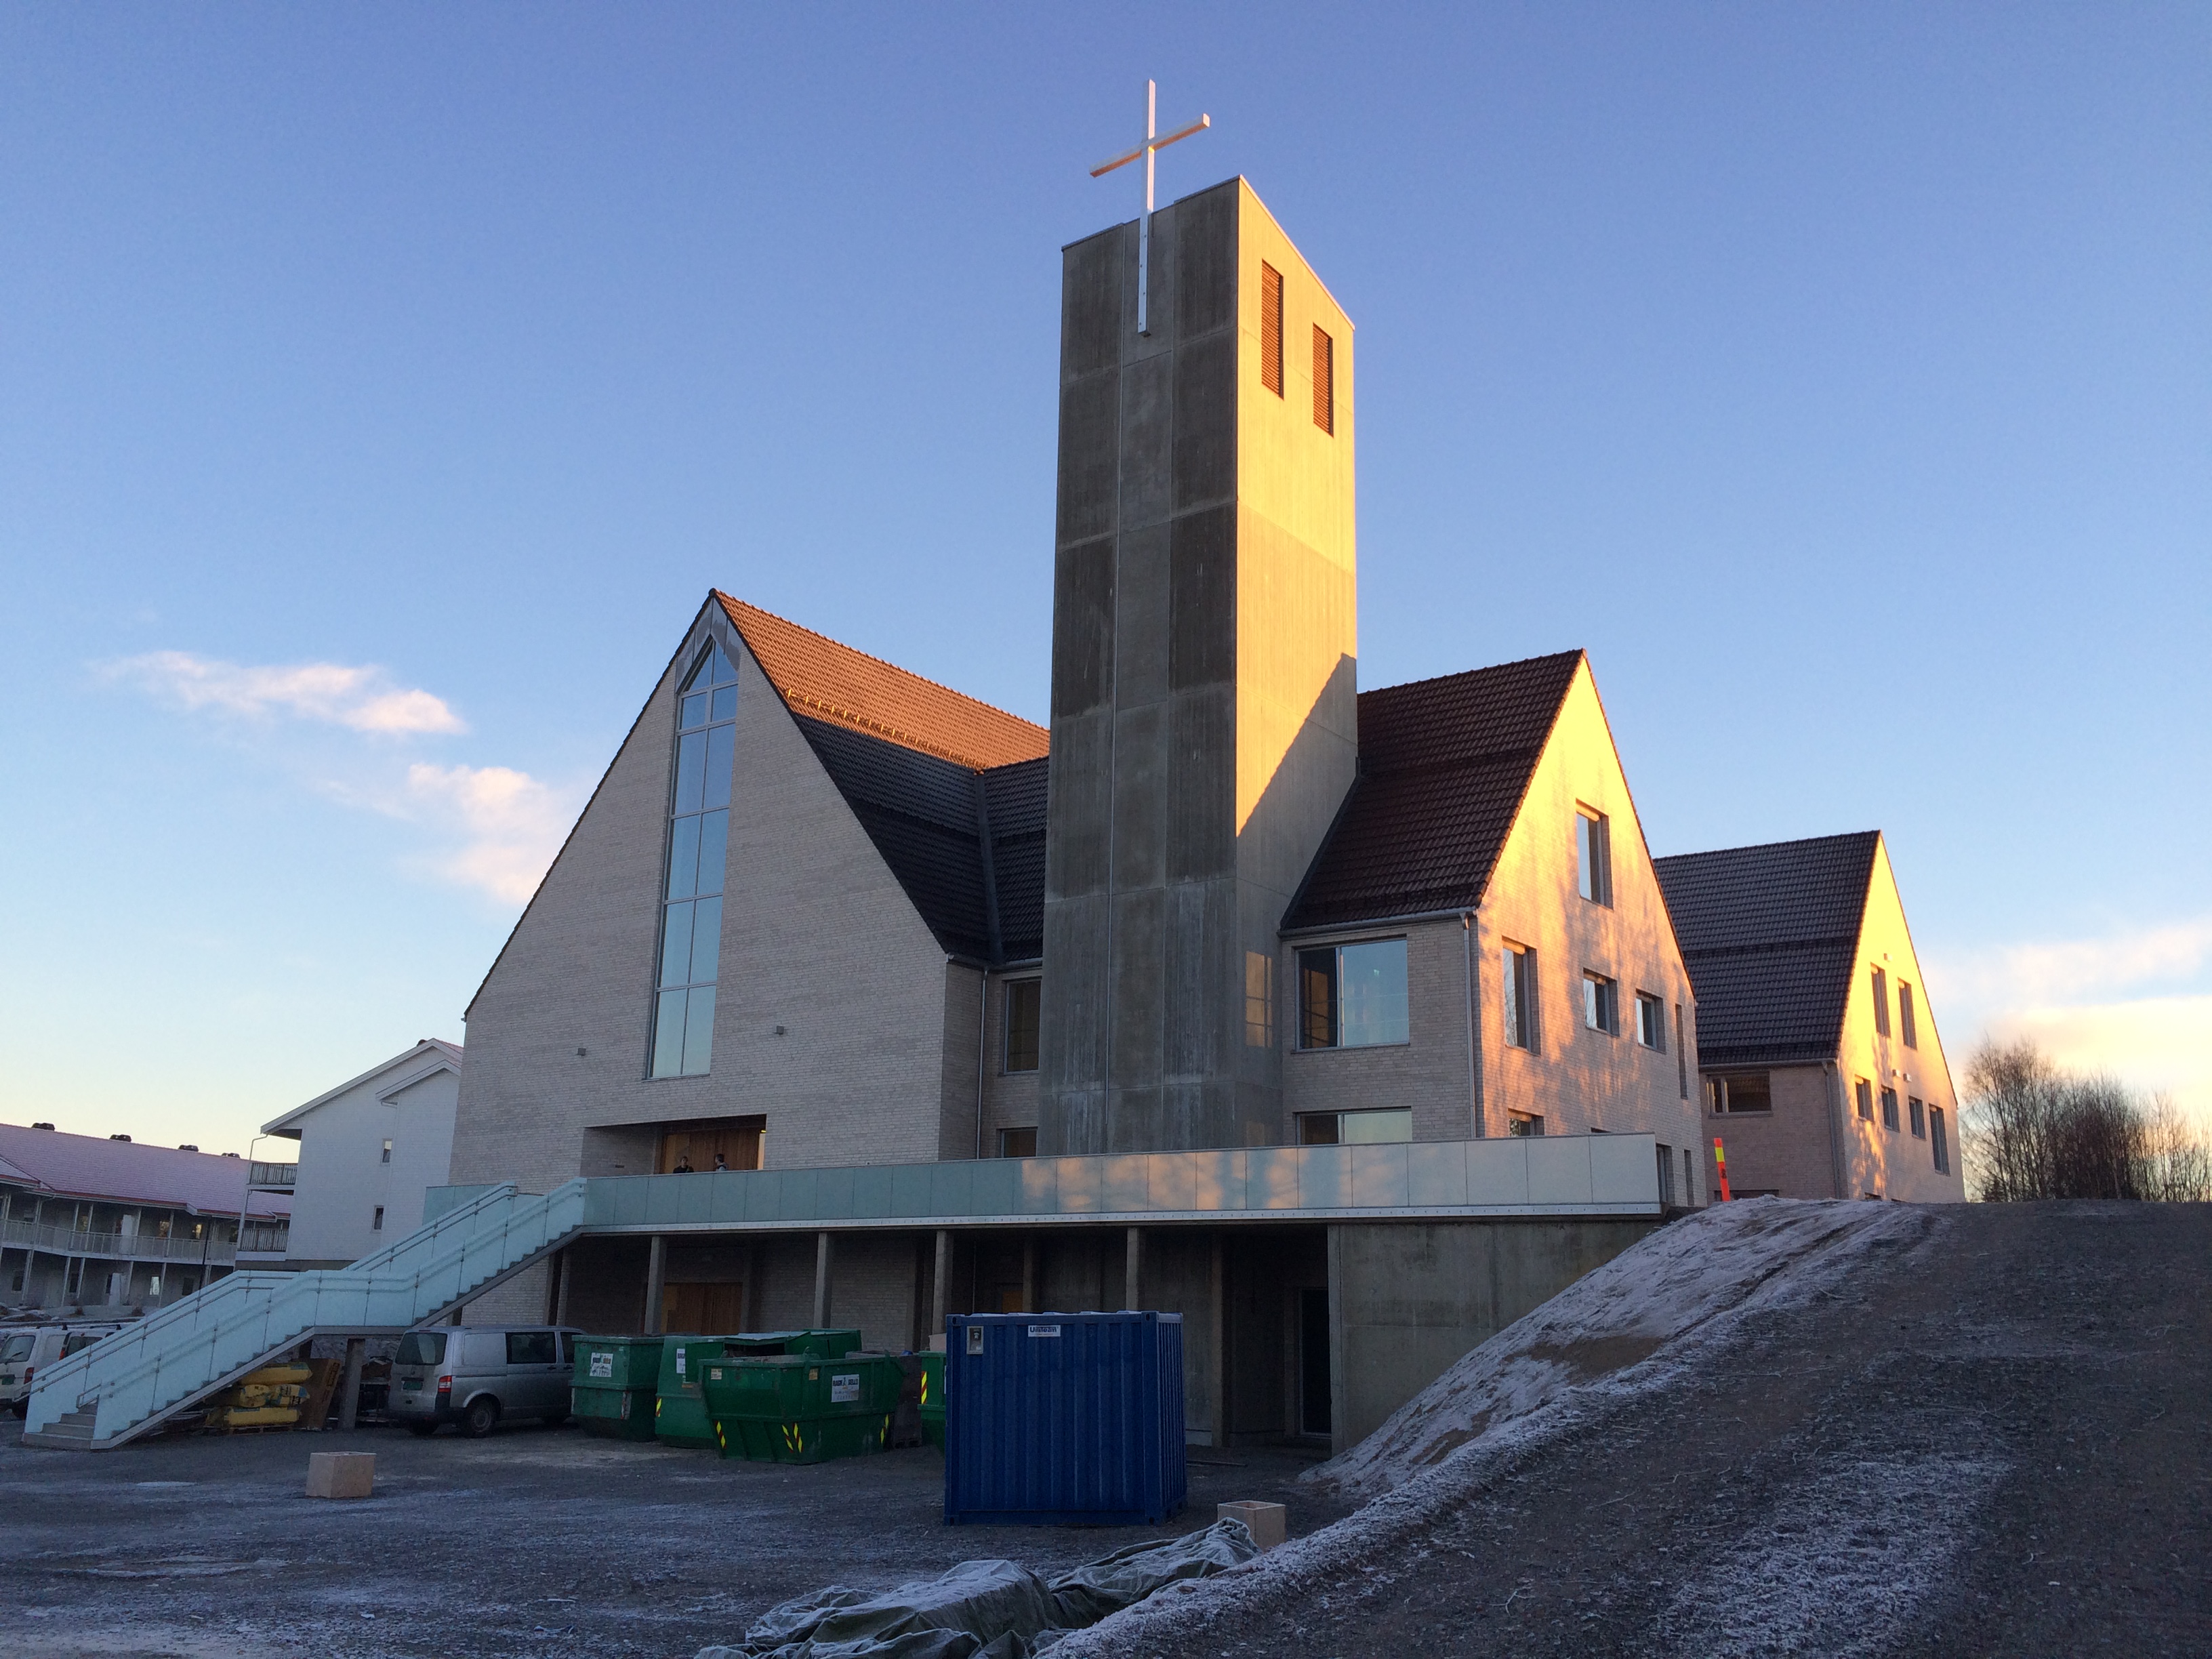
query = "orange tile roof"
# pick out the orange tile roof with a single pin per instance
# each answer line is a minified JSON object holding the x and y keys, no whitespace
{"x":834,"y":682}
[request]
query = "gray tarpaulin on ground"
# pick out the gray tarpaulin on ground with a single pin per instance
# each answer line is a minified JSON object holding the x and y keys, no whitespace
{"x":983,"y":1609}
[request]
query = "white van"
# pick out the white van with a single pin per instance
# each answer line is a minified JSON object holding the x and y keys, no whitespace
{"x":474,"y":1374}
{"x":23,"y":1350}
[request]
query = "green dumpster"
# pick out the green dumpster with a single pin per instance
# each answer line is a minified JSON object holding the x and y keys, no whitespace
{"x":801,"y":1408}
{"x":680,"y":1412}
{"x":617,"y":1385}
{"x":681,"y":1418}
{"x":933,"y":1398}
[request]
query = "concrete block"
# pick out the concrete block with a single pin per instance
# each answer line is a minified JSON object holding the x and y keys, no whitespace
{"x":340,"y":1474}
{"x":1268,"y":1523}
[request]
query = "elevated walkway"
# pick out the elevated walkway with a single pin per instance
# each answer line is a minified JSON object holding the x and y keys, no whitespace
{"x":125,"y":1384}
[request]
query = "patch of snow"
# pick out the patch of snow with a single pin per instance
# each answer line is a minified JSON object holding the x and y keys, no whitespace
{"x":1652,"y":1295}
{"x":1843,"y":1564}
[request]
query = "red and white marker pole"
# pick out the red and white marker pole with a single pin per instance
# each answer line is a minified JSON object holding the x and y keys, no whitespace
{"x":1720,"y":1166}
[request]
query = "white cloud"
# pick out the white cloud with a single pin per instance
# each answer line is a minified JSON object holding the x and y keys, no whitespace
{"x":2069,"y":996}
{"x":508,"y":824}
{"x":363,"y":698}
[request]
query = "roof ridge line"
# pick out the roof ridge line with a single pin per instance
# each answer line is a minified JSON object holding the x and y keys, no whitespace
{"x":729,"y":600}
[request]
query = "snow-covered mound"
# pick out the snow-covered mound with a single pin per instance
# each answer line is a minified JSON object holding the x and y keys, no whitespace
{"x":1628,"y":1311}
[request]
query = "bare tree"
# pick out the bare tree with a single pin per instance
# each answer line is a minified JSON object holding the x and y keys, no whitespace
{"x":2035,"y":1130}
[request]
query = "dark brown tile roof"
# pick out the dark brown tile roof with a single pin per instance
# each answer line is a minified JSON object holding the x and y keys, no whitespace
{"x":967,"y":845}
{"x":1444,"y":764}
{"x":1770,"y":935}
{"x":829,"y":682}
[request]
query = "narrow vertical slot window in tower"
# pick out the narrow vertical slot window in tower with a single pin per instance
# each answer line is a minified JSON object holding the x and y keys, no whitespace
{"x":1324,"y":379}
{"x":1271,"y":328}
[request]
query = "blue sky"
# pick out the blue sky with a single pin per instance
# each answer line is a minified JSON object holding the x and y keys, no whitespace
{"x":382,"y":388}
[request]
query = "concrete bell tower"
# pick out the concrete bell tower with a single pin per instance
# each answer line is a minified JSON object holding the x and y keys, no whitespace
{"x":1204,"y":724}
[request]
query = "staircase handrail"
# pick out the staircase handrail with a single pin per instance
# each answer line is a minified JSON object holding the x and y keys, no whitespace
{"x":205,"y":1318}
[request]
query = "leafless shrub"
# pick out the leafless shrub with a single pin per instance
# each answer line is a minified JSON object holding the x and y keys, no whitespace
{"x":2035,"y":1130}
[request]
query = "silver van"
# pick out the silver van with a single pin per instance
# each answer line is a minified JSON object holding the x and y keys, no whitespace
{"x":474,"y":1374}
{"x":23,"y":1352}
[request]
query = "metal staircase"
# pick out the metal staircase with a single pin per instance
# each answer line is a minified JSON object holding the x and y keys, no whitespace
{"x":128,"y":1383}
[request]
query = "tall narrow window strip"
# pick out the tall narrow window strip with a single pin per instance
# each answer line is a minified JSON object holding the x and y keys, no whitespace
{"x":1865,"y":1096}
{"x":1907,"y":1027}
{"x":1271,"y":328}
{"x":1324,"y":380}
{"x":1024,"y":1005}
{"x":1593,"y":856}
{"x":1517,"y":988}
{"x":698,"y":850}
{"x":1940,"y":1145}
{"x":1881,"y":1002}
{"x":1681,"y":1057}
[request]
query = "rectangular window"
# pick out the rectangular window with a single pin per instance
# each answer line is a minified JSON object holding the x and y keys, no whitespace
{"x":1601,"y":1004}
{"x":1593,"y":856}
{"x":1881,"y":1002}
{"x":1652,"y":1023}
{"x":1517,"y":983}
{"x":1523,"y":1124}
{"x":1667,"y":1175}
{"x":1271,"y":328}
{"x":1937,"y":1141}
{"x":1353,"y":996}
{"x":1324,"y":380}
{"x":1689,"y":1178}
{"x":1743,"y":1091}
{"x":1907,"y":1027}
{"x":1025,"y":1005}
{"x":532,"y":1348}
{"x":1917,"y":1115}
{"x":1354,"y":1128}
{"x":1865,"y":1092}
{"x":1017,"y":1143}
{"x":376,"y":1221}
{"x":1889,"y":1109}
{"x":386,"y":1158}
{"x":1681,"y":1056}
{"x":698,"y":848}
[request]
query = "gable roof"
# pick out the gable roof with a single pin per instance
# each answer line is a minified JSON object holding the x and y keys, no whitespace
{"x":1443,"y":766}
{"x":1770,"y":935}
{"x":91,"y":1167}
{"x":435,"y":1055}
{"x":834,"y":683}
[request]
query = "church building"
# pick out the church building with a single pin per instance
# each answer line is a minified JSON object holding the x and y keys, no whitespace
{"x":1350,"y":1023}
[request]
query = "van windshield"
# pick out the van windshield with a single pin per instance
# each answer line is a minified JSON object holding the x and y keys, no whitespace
{"x":16,"y":1348}
{"x":422,"y":1348}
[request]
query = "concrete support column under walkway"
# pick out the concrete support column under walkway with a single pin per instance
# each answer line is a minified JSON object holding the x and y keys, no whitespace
{"x":1133,"y":1270}
{"x":1028,"y":1274}
{"x":656,"y":1279}
{"x":822,"y":1253}
{"x":943,"y":1271}
{"x":350,"y":1386}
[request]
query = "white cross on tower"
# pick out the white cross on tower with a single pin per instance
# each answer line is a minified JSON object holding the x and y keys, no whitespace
{"x":1155,"y":141}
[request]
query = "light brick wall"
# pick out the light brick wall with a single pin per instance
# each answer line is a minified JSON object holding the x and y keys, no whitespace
{"x":1576,"y":1079}
{"x":817,"y":938}
{"x":1010,"y":1098}
{"x":1789,"y":1150}
{"x":1426,"y":1075}
{"x":1879,"y":1160}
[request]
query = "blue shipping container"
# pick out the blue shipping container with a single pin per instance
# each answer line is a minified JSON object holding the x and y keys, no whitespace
{"x":1064,"y":1417}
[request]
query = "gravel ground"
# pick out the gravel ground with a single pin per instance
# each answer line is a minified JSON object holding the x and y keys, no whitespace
{"x":1994,"y":1438}
{"x":534,"y":1542}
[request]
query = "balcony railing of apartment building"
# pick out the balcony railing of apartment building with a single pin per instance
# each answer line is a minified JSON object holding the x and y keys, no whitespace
{"x":123,"y":1246}
{"x":272,"y":1178}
